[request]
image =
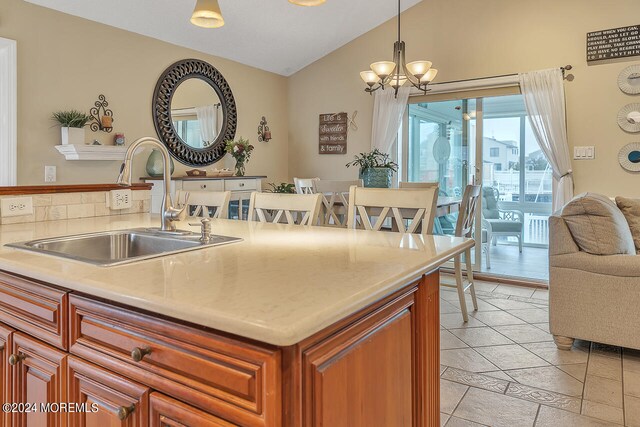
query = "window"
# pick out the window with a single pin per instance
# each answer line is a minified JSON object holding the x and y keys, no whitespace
{"x":189,"y":132}
{"x":498,"y":167}
{"x":514,"y":151}
{"x":8,"y":116}
{"x":494,"y":152}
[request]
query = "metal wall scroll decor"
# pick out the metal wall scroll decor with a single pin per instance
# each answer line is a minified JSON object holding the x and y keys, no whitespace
{"x":161,"y":111}
{"x":264,"y":133}
{"x":101,"y":116}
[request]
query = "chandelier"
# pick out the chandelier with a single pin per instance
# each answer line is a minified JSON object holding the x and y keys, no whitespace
{"x":397,"y":73}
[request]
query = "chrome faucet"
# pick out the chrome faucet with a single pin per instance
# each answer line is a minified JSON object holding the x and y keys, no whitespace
{"x":169,"y":213}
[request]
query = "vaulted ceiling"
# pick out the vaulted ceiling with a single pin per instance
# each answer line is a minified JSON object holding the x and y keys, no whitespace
{"x":273,"y":35}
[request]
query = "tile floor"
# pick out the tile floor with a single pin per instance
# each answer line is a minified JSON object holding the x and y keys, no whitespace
{"x":503,"y":369}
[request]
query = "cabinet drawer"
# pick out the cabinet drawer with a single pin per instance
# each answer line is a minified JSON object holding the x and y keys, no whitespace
{"x":240,"y":184}
{"x":35,"y":309}
{"x":212,"y":185}
{"x":213,"y":372}
{"x":168,"y":412}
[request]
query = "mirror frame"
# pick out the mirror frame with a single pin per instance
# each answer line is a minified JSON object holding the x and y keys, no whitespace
{"x":163,"y":93}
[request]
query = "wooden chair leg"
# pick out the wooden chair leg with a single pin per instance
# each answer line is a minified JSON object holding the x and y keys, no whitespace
{"x":460,"y":286}
{"x":472,"y":284}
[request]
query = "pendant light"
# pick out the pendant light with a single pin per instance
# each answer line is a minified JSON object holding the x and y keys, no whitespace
{"x":307,"y":2}
{"x":207,"y":14}
{"x":397,"y":73}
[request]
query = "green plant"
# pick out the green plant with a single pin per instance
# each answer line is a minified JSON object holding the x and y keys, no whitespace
{"x":71,"y":118}
{"x":283,"y":187}
{"x":240,"y":150}
{"x":373,"y":159}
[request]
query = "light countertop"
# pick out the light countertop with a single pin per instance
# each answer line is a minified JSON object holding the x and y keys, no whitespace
{"x":279,"y":286}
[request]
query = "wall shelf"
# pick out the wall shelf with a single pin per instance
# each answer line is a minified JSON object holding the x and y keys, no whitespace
{"x":92,"y":152}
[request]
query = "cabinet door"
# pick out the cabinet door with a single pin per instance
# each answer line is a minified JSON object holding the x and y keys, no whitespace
{"x":105,"y":399}
{"x":5,"y":377}
{"x":168,"y":412}
{"x":39,"y":377}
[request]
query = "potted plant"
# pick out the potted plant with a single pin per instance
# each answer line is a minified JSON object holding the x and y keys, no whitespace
{"x":72,"y":125}
{"x":240,"y":150}
{"x":376,"y":168}
{"x":283,"y":188}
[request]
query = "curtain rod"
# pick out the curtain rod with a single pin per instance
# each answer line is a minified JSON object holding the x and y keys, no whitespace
{"x":565,"y":68}
{"x":193,"y":108}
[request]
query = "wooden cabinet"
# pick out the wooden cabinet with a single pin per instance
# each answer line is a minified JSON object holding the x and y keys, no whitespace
{"x":6,"y":335}
{"x":104,"y":398}
{"x":38,"y":374}
{"x":168,"y":412}
{"x":378,"y":367}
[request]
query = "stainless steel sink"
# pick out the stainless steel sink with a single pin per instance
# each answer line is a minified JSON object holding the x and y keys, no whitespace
{"x":121,"y":247}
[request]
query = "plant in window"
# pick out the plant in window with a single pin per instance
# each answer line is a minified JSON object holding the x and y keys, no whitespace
{"x":376,"y":168}
{"x":283,"y":188}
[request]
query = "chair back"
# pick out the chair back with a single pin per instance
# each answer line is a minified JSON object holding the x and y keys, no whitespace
{"x":305,"y":185}
{"x":335,"y":200}
{"x":490,"y":208}
{"x":203,"y":200}
{"x":467,"y":213}
{"x":405,"y":184}
{"x":301,"y":209}
{"x":400,"y":204}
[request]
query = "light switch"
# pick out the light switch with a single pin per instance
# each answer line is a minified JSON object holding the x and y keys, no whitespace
{"x":584,"y":153}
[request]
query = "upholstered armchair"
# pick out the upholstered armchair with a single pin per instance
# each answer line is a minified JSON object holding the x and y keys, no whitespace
{"x":500,"y":222}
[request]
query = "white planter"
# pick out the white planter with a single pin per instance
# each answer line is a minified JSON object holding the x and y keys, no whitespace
{"x":72,"y":136}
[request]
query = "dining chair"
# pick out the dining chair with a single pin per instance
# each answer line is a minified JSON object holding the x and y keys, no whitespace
{"x":305,"y":185}
{"x":335,"y":200}
{"x":203,"y":200}
{"x":399,"y":204}
{"x":427,"y":184}
{"x":464,"y":228}
{"x":300,"y":209}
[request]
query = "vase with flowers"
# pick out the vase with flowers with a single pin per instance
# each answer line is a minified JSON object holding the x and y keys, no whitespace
{"x":240,"y":150}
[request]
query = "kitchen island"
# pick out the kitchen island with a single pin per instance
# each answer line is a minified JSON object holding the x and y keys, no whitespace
{"x":293,"y":326}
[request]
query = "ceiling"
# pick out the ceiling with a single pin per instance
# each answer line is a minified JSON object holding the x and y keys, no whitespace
{"x":273,"y":35}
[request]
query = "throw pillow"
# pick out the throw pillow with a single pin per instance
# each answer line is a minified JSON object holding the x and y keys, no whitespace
{"x":631,"y":210}
{"x":598,"y":226}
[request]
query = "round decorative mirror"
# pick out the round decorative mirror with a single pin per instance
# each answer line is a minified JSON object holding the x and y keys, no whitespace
{"x":194,"y":112}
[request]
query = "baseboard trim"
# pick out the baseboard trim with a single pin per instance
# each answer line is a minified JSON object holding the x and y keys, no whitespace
{"x":503,"y":280}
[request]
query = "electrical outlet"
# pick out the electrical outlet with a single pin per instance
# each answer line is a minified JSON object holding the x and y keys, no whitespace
{"x":16,"y":206}
{"x":49,"y":174}
{"x":119,"y":199}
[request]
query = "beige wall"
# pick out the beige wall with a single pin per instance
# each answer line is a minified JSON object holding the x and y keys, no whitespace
{"x":65,"y":62}
{"x":467,"y":39}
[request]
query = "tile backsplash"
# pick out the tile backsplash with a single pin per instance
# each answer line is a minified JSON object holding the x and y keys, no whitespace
{"x":51,"y":207}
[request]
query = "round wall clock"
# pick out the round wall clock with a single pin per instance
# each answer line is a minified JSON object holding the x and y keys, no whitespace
{"x":629,"y":118}
{"x":629,"y":80}
{"x":629,"y":157}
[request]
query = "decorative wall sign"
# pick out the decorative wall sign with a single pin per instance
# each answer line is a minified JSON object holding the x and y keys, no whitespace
{"x":615,"y":43}
{"x":333,"y":133}
{"x":629,"y":157}
{"x":629,"y":118}
{"x":629,"y":80}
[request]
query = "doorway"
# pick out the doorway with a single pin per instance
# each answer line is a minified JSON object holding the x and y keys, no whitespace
{"x":488,"y":140}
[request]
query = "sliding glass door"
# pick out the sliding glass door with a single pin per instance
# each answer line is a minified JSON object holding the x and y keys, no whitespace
{"x":442,"y":147}
{"x":488,"y":140}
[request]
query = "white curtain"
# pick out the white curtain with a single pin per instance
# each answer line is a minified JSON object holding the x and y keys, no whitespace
{"x":208,"y":120}
{"x":543,"y":93}
{"x":387,"y":116}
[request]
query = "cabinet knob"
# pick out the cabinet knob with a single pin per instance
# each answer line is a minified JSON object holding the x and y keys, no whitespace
{"x":124,"y":412}
{"x":203,"y":186}
{"x":14,"y":359}
{"x":138,"y":353}
{"x":241,"y":184}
